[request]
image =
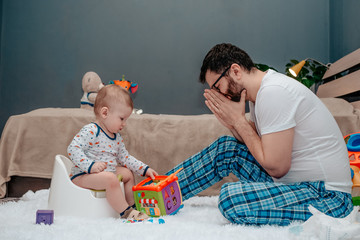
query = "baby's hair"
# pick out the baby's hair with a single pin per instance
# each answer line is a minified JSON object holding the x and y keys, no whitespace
{"x":112,"y":94}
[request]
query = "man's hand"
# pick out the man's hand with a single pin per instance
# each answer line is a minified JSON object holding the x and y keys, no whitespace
{"x":151,"y":173}
{"x":228,"y":112}
{"x":274,"y":158}
{"x":98,"y":167}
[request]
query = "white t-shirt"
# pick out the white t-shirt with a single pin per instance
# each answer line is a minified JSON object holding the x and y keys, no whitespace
{"x":319,"y":151}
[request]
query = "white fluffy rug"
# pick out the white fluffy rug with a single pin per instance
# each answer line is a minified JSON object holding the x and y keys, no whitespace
{"x":198,"y":219}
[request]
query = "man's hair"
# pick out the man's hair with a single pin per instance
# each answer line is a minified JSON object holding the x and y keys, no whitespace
{"x":112,"y":94}
{"x":221,"y":56}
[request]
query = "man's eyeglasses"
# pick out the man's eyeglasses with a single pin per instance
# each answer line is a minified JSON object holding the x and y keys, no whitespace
{"x":223,"y":74}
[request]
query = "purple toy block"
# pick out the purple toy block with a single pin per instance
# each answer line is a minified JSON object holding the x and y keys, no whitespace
{"x":45,"y":216}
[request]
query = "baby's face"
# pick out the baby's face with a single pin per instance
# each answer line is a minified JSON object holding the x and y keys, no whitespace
{"x":116,"y":120}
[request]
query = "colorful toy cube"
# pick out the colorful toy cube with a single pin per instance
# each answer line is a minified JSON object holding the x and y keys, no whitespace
{"x":44,"y":216}
{"x":161,"y":196}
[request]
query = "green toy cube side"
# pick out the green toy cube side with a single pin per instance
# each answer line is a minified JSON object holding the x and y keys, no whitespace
{"x":150,"y":202}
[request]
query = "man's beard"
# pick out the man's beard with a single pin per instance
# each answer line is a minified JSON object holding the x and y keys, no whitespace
{"x":234,"y":91}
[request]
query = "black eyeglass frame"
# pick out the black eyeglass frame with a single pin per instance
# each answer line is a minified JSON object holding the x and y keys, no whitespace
{"x":222,"y":75}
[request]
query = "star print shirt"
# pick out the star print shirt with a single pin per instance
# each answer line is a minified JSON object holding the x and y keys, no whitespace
{"x":92,"y":145}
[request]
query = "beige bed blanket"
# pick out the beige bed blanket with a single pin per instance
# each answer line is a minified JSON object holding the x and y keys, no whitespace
{"x":30,"y":141}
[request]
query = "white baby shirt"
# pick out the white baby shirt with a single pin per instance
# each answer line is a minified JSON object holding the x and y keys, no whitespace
{"x":92,"y":145}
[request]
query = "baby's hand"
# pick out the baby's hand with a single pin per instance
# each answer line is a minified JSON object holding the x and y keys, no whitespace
{"x":98,"y":167}
{"x":151,"y":173}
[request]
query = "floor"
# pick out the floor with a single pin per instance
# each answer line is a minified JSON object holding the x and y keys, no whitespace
{"x":18,"y":186}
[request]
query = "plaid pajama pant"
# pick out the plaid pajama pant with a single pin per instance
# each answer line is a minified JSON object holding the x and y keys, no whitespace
{"x":255,"y":199}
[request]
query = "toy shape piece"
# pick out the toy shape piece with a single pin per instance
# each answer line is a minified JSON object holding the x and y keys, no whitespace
{"x":353,"y":144}
{"x":133,"y":87}
{"x":45,"y":216}
{"x":91,"y":84}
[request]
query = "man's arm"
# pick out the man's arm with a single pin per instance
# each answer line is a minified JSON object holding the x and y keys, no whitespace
{"x":237,"y":135}
{"x":231,"y":128}
{"x":272,"y":151}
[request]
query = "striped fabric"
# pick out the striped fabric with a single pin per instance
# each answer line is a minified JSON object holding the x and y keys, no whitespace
{"x":255,"y":199}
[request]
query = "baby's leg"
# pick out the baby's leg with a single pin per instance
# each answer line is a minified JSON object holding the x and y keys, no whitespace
{"x":129,"y":182}
{"x":107,"y":181}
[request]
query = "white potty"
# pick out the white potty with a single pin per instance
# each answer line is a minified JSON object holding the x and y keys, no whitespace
{"x":67,"y":199}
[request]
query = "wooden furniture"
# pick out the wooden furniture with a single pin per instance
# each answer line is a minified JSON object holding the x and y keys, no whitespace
{"x":342,"y":79}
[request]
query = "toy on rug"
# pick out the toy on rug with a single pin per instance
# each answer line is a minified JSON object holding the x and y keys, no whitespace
{"x":161,"y":196}
{"x":150,"y":220}
{"x":45,"y":216}
{"x":91,"y":84}
{"x":353,"y":145}
{"x":130,"y":86}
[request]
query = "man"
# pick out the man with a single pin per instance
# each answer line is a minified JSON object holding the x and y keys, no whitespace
{"x":289,"y":155}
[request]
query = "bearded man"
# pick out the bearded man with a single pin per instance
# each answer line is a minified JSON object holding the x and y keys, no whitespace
{"x":290,"y":154}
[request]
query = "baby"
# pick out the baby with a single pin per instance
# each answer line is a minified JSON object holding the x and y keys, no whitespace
{"x":99,"y":153}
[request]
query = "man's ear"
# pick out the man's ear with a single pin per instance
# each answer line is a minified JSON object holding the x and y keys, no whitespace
{"x":104,"y":112}
{"x":236,"y":71}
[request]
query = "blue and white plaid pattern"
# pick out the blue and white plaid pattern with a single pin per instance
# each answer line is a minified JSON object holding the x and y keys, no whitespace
{"x":255,"y":199}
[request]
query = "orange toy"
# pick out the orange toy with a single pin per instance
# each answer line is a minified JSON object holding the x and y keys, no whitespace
{"x":130,"y":86}
{"x":353,"y":145}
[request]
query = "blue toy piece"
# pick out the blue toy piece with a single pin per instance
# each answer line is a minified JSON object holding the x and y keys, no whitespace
{"x":150,"y":220}
{"x":45,"y":216}
{"x":353,"y":143}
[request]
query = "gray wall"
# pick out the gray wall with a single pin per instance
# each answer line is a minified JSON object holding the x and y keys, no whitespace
{"x":47,"y":46}
{"x":345,"y":28}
